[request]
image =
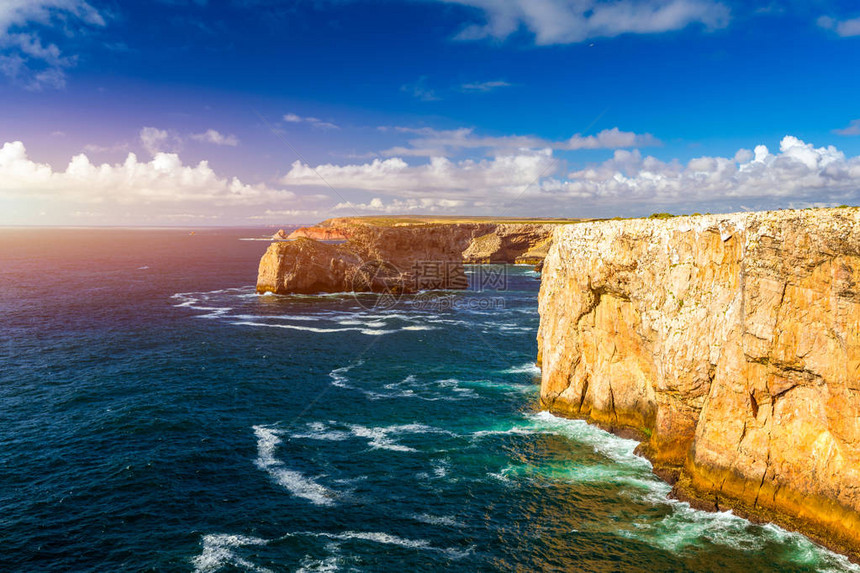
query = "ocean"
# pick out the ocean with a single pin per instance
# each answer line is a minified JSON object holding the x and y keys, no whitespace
{"x":158,"y":415}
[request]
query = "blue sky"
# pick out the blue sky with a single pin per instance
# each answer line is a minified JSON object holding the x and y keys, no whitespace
{"x":206,"y":112}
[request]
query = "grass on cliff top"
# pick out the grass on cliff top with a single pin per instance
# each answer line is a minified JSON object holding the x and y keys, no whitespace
{"x":421,"y":220}
{"x":409,"y":220}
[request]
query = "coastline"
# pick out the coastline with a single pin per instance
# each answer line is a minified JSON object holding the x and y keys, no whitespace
{"x":684,"y":490}
{"x":728,"y":346}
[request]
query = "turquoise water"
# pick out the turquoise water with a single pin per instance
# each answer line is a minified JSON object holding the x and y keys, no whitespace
{"x":158,"y":415}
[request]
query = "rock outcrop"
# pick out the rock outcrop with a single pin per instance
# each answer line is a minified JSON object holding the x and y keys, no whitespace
{"x":411,"y":254}
{"x":306,"y":266}
{"x":511,"y":243}
{"x":730,"y":344}
{"x":319,"y":233}
{"x":374,"y":259}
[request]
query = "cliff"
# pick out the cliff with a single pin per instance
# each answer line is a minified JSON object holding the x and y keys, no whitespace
{"x":511,"y":243}
{"x":411,"y":254}
{"x":318,"y":234}
{"x":374,"y":259}
{"x":730,"y":344}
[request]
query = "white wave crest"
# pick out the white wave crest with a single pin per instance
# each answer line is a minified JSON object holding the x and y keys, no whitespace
{"x":218,"y":552}
{"x":441,"y":520}
{"x":527,"y":368}
{"x":291,"y":480}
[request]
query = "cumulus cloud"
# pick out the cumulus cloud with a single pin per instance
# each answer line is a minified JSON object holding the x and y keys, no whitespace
{"x":523,"y":182}
{"x":216,"y":138}
{"x":798,"y":172}
{"x":154,"y":140}
{"x":844,"y":28}
{"x":400,"y":206}
{"x":24,"y":58}
{"x":853,"y":128}
{"x":438,"y":179}
{"x":430,"y":142}
{"x":312,"y":121}
{"x":529,"y":182}
{"x":571,"y":21}
{"x":162,"y":189}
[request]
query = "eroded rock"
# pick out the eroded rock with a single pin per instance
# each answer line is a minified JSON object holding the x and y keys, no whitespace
{"x":730,"y":344}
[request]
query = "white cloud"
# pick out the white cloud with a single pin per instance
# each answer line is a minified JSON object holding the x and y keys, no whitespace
{"x":439,"y":179}
{"x":853,"y":128}
{"x":420,"y":91}
{"x":484,"y":86}
{"x":799,"y":172}
{"x":572,"y":21}
{"x":24,"y":58}
{"x":844,"y":28}
{"x":154,"y":140}
{"x":522,"y":182}
{"x":161,"y":190}
{"x":400,"y":206}
{"x":23,"y":12}
{"x":609,"y":139}
{"x":528,"y":183}
{"x":312,"y":121}
{"x":216,"y":138}
{"x":439,"y":143}
{"x":95,"y":148}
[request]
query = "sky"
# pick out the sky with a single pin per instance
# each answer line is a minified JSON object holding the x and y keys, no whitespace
{"x":266,"y":112}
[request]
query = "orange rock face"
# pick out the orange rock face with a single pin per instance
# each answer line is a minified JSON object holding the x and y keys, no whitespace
{"x":318,"y":233}
{"x":731,"y":344}
{"x":419,"y":256}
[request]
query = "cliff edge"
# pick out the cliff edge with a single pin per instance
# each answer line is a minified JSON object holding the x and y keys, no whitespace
{"x":406,"y":254}
{"x":730,"y":344}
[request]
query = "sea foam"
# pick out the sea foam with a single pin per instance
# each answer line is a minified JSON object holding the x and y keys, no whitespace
{"x":294,"y":482}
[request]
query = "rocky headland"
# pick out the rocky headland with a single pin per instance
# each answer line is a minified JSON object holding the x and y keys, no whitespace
{"x":729,"y":344}
{"x":405,"y":254}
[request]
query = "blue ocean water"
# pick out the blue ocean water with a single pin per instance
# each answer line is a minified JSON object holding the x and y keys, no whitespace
{"x":158,"y":415}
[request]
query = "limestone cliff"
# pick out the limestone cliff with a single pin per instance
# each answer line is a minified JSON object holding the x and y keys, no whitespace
{"x":511,"y":243}
{"x":407,"y":258}
{"x":319,"y":234}
{"x":413,"y":254}
{"x":306,"y":266}
{"x":730,"y":344}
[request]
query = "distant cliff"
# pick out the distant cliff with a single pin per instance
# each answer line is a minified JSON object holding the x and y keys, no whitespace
{"x":730,"y":344}
{"x":407,"y":254}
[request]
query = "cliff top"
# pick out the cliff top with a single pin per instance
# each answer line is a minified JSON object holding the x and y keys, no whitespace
{"x":728,"y":221}
{"x":421,"y":220}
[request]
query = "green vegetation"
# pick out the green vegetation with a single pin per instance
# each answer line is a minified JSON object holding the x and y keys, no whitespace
{"x":420,"y":220}
{"x":661,"y":216}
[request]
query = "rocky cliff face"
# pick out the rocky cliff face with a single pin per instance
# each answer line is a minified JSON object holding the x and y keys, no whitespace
{"x":317,"y":233}
{"x":374,"y":259}
{"x":415,"y":255}
{"x":306,"y":266}
{"x":511,"y":243}
{"x":730,"y":344}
